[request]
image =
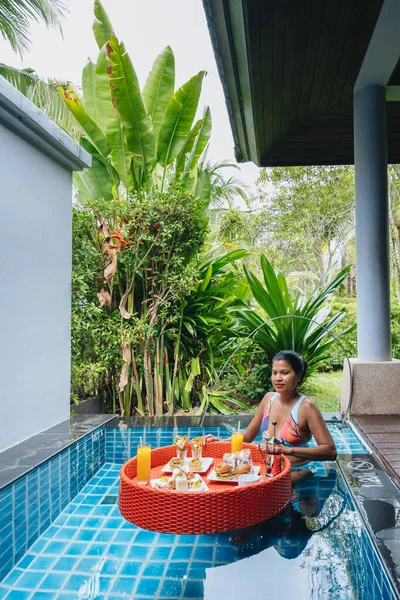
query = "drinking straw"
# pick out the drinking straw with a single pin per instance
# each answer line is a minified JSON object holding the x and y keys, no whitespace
{"x":141,"y":442}
{"x":238,"y":427}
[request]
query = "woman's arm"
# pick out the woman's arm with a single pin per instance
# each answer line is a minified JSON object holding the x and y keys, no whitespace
{"x":326,"y":449}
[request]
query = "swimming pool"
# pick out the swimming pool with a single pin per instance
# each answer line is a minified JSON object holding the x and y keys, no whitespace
{"x":318,"y":545}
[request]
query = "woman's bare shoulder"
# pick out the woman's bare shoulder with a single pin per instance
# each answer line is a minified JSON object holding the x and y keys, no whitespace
{"x":266,"y":398}
{"x":309,"y":407}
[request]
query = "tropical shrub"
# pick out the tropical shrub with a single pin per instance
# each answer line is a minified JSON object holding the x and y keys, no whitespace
{"x":298,"y":323}
{"x":148,"y":195}
{"x":206,"y":331}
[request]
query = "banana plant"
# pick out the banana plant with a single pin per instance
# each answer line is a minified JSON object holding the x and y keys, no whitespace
{"x":282,"y":321}
{"x":148,"y":138}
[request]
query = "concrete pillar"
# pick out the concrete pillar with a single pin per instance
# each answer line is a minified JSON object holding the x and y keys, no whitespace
{"x":372,"y":224}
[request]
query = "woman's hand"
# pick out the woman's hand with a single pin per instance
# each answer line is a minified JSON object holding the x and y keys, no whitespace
{"x":282,"y":449}
{"x":210,"y":438}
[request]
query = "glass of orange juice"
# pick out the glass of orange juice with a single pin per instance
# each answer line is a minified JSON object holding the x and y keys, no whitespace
{"x":143,"y":464}
{"x":236,"y":442}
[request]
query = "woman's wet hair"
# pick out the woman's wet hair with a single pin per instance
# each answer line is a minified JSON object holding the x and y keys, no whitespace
{"x":295,"y":360}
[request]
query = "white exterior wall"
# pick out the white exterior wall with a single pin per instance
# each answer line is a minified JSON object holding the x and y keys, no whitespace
{"x":35,"y":298}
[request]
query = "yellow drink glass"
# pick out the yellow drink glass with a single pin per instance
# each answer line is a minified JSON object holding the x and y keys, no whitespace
{"x":236,"y":442}
{"x":143,"y":464}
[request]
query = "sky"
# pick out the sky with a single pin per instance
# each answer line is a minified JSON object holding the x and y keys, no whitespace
{"x":145,"y":27}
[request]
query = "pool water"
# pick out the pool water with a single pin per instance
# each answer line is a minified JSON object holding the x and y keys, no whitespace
{"x":90,"y":552}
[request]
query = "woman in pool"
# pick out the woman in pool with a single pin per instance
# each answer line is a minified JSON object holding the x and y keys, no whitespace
{"x":297,"y":418}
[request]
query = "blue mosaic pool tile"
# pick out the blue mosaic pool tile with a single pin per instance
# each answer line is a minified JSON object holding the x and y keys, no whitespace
{"x":18,"y":595}
{"x":193,"y":589}
{"x":148,"y":587}
{"x":153,"y":569}
{"x":171,"y":588}
{"x":31,"y":504}
{"x":123,"y":586}
{"x":30,"y":579}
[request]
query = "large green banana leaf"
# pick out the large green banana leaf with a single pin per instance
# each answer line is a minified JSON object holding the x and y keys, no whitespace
{"x":112,"y":173}
{"x":111,"y":124}
{"x":200,"y":142}
{"x":203,"y":187}
{"x":159,"y":87}
{"x":178,"y":119}
{"x":94,"y":182}
{"x":102,"y":27}
{"x":129,"y":103}
{"x":187,"y":148}
{"x":93,"y":105}
{"x":76,"y":107}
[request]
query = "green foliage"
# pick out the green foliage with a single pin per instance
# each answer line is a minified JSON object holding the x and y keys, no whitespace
{"x":324,"y":389}
{"x":146,"y":140}
{"x":95,"y":344}
{"x":309,"y":215}
{"x":168,"y":304}
{"x":348,"y":344}
{"x":298,"y":323}
{"x":395,"y":321}
{"x":250,"y":381}
{"x":17,"y":15}
{"x":44,"y":94}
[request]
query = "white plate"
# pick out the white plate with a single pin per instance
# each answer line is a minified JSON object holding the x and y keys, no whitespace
{"x":203,"y":488}
{"x":213,"y":476}
{"x":207,"y":462}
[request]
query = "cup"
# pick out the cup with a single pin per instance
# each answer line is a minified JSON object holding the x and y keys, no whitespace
{"x":236,"y":442}
{"x":247,"y":479}
{"x":143,"y":464}
{"x":181,"y":453}
{"x":197,"y":447}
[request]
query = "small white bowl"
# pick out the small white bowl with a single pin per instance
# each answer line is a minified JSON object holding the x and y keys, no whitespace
{"x":247,"y":479}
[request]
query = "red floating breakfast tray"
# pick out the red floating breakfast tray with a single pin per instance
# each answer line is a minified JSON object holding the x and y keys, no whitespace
{"x":223,"y":507}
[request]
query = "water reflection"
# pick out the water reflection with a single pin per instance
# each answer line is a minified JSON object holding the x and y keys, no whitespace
{"x":313,"y":547}
{"x":289,"y":531}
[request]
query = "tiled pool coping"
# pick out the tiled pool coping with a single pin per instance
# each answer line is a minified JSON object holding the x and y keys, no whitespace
{"x":22,"y":458}
{"x":193,"y":421}
{"x":378,"y":502}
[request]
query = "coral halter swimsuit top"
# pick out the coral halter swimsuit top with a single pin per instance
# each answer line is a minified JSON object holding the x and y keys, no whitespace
{"x":290,"y":432}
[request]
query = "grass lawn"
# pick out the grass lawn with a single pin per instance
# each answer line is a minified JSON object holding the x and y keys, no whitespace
{"x":324,"y":389}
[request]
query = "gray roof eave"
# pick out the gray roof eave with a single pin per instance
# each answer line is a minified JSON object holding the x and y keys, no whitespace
{"x":20,"y":115}
{"x":231,"y":88}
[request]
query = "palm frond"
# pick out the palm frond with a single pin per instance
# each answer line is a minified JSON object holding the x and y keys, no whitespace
{"x":45,"y":95}
{"x":17,"y":15}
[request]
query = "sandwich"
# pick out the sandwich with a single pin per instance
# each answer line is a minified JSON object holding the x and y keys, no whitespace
{"x":223,"y":471}
{"x":242,"y":469}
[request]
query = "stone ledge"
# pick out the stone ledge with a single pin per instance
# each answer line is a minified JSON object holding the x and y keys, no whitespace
{"x":29,"y":454}
{"x":373,"y":386}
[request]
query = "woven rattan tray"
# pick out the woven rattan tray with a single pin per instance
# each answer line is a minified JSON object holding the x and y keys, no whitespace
{"x":223,"y":508}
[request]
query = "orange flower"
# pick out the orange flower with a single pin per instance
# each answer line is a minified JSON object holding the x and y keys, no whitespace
{"x":121,"y":242}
